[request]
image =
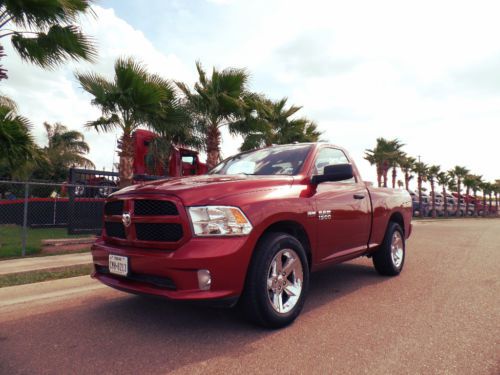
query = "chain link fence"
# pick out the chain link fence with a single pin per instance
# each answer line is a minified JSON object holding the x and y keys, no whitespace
{"x":32,"y":213}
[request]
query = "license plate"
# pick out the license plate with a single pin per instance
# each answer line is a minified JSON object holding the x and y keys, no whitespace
{"x":118,"y":265}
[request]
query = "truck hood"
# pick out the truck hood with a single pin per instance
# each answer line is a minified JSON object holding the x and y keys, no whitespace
{"x":207,"y":188}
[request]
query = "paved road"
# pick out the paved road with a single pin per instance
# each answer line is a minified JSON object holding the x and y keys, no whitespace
{"x":441,"y":315}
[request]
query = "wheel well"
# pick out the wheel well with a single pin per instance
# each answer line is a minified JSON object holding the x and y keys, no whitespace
{"x":396,"y":217}
{"x":296,"y":230}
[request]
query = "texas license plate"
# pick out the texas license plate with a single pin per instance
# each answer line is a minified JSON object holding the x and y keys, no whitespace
{"x":118,"y":265}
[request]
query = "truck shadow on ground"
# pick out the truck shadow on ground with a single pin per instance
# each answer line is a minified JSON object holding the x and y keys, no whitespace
{"x":133,"y":333}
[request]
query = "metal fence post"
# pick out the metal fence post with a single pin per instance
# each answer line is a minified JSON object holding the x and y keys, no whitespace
{"x":25,"y":219}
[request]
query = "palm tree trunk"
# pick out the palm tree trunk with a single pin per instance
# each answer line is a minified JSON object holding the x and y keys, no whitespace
{"x":394,"y":176}
{"x":433,"y":195}
{"x":407,"y":181}
{"x":386,"y":171}
{"x":126,"y":168}
{"x":491,"y":204}
{"x":484,"y":203}
{"x":475,"y":203}
{"x":445,"y":202}
{"x":379,"y":175}
{"x":213,"y":143}
{"x":420,"y":206}
{"x":467,"y":191}
{"x":459,"y":206}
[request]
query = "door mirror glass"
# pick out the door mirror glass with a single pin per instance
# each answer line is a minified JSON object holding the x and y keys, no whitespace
{"x":337,"y":172}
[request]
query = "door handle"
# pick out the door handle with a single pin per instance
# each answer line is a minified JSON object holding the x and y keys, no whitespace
{"x":359,"y":196}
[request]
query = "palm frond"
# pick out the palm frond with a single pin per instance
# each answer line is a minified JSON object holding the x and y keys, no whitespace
{"x":54,"y":47}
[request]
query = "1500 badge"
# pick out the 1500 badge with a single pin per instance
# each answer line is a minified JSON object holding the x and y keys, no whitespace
{"x":322,"y":215}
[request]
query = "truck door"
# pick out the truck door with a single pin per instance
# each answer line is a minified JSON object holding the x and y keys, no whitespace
{"x":343,"y":212}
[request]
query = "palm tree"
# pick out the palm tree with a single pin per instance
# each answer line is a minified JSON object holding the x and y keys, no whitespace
{"x":133,"y":99}
{"x":484,"y":188}
{"x":459,"y":173}
{"x":384,"y":155}
{"x":469,"y":183}
{"x":66,"y":148}
{"x":432,"y":173}
{"x":269,"y":123}
{"x":406,"y":164}
{"x":477,"y":180}
{"x":497,"y":193}
{"x":44,"y":33}
{"x":16,"y":142}
{"x":421,"y":170}
{"x":443,"y":179}
{"x":216,"y":102}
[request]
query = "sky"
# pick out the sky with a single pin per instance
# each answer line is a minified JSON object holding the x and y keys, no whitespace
{"x":427,"y":72}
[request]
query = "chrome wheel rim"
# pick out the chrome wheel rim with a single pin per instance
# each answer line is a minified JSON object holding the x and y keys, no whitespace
{"x":284,"y":281}
{"x":397,"y":250}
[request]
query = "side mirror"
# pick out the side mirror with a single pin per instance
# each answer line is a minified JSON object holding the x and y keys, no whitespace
{"x":337,"y":172}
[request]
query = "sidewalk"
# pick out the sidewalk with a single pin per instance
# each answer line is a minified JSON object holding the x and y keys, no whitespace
{"x":8,"y":267}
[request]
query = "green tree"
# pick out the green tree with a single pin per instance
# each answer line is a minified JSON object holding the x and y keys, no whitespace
{"x":384,"y":156}
{"x":459,"y":173}
{"x":470,"y":181}
{"x":44,"y":32}
{"x":268,"y":122}
{"x":443,"y":179}
{"x":476,"y":182}
{"x":215,"y":102}
{"x":432,"y":173}
{"x":406,"y":164}
{"x":421,"y":170}
{"x":65,"y":148}
{"x":16,"y":142}
{"x":134,"y":98}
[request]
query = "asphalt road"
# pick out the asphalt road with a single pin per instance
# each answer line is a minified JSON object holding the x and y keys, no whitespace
{"x":440,"y":316}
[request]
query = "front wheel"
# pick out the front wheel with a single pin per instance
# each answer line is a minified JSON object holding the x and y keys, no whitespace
{"x":277,"y":281}
{"x":389,"y":258}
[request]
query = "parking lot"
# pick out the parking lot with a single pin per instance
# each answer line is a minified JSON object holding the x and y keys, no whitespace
{"x":441,"y":315}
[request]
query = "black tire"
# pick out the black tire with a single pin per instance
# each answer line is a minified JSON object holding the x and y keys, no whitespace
{"x":383,"y":259}
{"x":255,"y":300}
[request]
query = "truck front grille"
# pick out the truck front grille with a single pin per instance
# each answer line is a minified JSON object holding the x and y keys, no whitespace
{"x":115,"y":229}
{"x":113,"y":208}
{"x":149,"y":207}
{"x":162,"y":232}
{"x":154,"y":223}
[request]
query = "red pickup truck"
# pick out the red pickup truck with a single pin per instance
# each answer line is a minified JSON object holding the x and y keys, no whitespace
{"x":252,"y":230}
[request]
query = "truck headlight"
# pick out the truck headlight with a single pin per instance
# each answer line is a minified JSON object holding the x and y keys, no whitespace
{"x":219,"y":221}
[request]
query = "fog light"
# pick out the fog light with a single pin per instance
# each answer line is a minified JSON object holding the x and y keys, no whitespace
{"x":204,"y":279}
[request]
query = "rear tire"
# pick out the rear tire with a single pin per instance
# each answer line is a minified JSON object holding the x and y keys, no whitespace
{"x":277,"y":281}
{"x":390,"y":257}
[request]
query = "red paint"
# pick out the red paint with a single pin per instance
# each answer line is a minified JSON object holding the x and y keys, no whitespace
{"x":356,"y":228}
{"x":176,"y":166}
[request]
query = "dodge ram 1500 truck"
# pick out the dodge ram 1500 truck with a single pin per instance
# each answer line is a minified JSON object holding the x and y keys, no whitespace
{"x":252,"y":230}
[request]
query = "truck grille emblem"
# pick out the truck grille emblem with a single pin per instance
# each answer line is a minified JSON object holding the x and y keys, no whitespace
{"x":126,"y":219}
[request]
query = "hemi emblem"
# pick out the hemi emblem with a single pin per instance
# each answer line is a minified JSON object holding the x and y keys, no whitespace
{"x":126,"y":219}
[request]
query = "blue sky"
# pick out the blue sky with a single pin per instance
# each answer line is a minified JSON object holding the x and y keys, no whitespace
{"x":426,"y":73}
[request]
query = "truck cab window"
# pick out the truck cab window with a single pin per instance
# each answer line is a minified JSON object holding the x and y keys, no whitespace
{"x":330,"y":156}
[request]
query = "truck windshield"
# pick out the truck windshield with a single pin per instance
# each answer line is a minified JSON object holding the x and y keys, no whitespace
{"x":278,"y":160}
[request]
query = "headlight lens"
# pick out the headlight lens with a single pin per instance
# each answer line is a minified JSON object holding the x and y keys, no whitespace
{"x":219,"y":221}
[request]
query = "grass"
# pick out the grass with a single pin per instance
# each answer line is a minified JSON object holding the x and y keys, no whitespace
{"x":44,"y":275}
{"x":11,"y":239}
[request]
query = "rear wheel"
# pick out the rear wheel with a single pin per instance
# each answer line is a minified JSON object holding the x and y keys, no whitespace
{"x":389,"y":258}
{"x":277,"y":281}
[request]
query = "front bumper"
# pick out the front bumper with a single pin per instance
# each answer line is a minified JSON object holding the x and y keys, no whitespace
{"x":173,"y":274}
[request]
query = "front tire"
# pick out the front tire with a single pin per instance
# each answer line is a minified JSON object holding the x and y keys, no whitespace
{"x":389,"y":258}
{"x":277,"y":281}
